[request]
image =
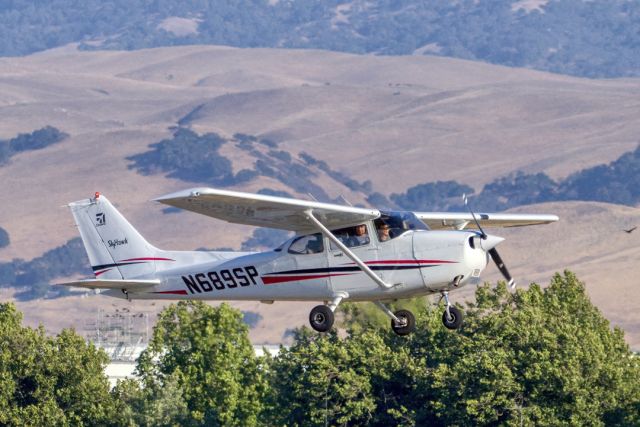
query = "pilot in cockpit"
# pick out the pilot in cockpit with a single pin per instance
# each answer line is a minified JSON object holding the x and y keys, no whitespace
{"x":383,"y":232}
{"x":314,"y":245}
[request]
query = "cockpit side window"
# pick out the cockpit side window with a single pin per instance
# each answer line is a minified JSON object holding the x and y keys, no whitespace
{"x":308,"y":244}
{"x":393,"y":224}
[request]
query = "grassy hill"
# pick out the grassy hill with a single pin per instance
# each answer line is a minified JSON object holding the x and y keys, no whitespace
{"x":577,"y":37}
{"x":396,"y":121}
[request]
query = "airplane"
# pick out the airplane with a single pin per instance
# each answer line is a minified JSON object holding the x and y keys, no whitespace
{"x":338,"y":253}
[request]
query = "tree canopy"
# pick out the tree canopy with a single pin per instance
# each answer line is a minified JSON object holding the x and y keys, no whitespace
{"x":36,"y":140}
{"x":539,"y":356}
{"x":4,"y":238}
{"x":50,"y":380}
{"x":204,"y":356}
{"x":615,"y":182}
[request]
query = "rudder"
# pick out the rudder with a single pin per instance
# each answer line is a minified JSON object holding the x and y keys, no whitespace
{"x":115,"y":248}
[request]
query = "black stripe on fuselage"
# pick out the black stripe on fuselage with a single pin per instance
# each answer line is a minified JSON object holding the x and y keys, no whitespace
{"x":348,"y":269}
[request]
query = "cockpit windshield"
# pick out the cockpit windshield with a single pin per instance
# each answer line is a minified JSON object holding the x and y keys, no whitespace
{"x":392,"y":224}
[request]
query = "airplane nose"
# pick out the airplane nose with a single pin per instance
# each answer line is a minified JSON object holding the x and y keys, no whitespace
{"x":490,"y":242}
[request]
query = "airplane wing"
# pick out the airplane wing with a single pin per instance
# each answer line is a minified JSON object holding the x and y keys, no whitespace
{"x":454,"y":220}
{"x":132,"y":285}
{"x":266,"y":211}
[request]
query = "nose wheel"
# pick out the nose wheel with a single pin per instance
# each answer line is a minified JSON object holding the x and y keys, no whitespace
{"x":452,"y":319}
{"x":452,"y":316}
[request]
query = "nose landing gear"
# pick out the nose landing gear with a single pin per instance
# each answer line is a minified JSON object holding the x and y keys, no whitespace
{"x":452,"y":316}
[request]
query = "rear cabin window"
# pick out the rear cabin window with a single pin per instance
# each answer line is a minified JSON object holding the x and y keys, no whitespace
{"x":309,"y":244}
{"x":352,"y":237}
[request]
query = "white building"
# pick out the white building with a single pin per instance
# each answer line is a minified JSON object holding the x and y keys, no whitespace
{"x":124,"y":359}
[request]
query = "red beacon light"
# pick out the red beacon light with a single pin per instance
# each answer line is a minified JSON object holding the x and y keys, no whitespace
{"x":97,"y":195}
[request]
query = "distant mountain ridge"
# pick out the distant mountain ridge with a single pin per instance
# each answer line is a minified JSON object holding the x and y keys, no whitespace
{"x":576,"y":37}
{"x":616,"y":182}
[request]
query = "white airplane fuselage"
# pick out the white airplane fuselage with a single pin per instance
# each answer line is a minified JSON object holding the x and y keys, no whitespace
{"x":418,"y":262}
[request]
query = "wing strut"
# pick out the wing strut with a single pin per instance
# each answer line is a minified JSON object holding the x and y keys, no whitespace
{"x":347,"y":251}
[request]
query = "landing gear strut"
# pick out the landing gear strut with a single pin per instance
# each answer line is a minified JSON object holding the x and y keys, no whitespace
{"x":452,"y":316}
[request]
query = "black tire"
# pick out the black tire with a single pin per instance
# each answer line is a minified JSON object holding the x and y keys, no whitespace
{"x":456,"y":318}
{"x":409,"y":323}
{"x":321,"y":318}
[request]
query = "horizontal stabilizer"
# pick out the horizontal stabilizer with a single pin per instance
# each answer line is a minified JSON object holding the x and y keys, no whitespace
{"x":131,"y":285}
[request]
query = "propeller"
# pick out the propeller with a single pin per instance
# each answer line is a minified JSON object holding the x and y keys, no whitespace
{"x":493,"y":252}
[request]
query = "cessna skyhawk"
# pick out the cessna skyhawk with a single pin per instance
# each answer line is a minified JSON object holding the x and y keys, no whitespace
{"x":338,"y":253}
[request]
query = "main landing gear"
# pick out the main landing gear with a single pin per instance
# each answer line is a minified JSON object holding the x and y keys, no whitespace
{"x":403,"y":322}
{"x":406,"y":323}
{"x":321,"y":317}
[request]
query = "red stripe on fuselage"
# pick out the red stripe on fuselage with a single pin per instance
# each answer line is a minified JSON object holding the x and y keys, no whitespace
{"x":146,"y":259}
{"x":178,"y":292}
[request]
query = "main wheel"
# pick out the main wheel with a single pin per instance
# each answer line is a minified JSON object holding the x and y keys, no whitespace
{"x":455,"y":320}
{"x":408,"y":324}
{"x":321,"y":318}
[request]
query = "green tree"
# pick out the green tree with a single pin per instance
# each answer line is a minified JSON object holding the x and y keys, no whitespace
{"x":438,"y":195}
{"x":50,"y":380}
{"x":4,"y":238}
{"x":540,"y":357}
{"x":203,"y":355}
{"x":151,"y":406}
{"x":536,"y":357}
{"x":326,"y":380}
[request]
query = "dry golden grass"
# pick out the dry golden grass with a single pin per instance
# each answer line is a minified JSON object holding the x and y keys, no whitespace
{"x":397,"y":121}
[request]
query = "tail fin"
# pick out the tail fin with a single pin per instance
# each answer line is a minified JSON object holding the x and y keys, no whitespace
{"x":116,"y":250}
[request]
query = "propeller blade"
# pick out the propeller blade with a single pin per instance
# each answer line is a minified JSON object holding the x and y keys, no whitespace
{"x":466,"y":203}
{"x":491,"y":242}
{"x":495,"y":256}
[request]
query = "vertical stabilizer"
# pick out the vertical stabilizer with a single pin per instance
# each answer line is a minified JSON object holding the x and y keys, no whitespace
{"x":116,"y":250}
